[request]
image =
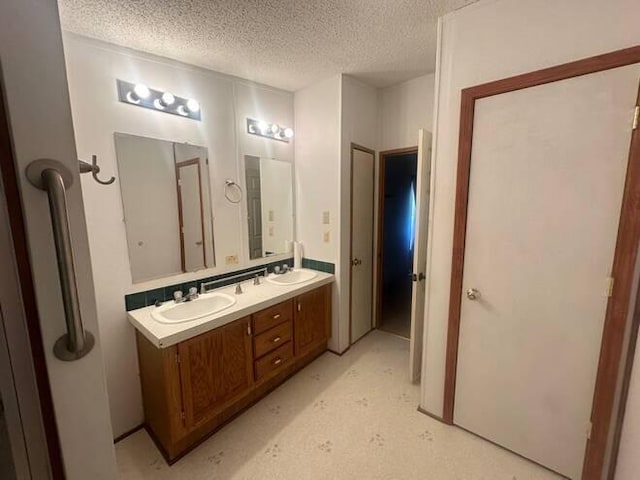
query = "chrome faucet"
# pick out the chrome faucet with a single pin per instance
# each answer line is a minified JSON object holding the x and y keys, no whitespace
{"x":179,"y":298}
{"x":256,"y":279}
{"x":238,"y":288}
{"x":192,"y":295}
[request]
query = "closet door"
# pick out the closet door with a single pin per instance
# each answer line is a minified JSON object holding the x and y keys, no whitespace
{"x":548,"y":168}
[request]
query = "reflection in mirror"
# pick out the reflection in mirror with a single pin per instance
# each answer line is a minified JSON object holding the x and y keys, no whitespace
{"x":167,"y":206}
{"x":269,"y":206}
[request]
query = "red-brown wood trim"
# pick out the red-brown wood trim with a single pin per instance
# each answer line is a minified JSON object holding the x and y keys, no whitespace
{"x":598,"y":63}
{"x":457,"y":260}
{"x":624,"y":259}
{"x":626,"y":382}
{"x":19,"y":237}
{"x":372,"y":152}
{"x":610,"y":361}
{"x":382,"y":158}
{"x":179,"y":165}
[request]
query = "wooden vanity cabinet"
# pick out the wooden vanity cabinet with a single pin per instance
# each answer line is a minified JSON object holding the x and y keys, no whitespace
{"x":216,"y":369}
{"x":193,"y":388}
{"x":312,"y":319}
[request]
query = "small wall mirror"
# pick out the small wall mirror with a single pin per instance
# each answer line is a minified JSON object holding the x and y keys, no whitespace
{"x":269,"y":206}
{"x":167,"y":206}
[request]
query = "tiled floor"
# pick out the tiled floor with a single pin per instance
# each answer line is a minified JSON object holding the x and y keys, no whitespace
{"x":349,"y":417}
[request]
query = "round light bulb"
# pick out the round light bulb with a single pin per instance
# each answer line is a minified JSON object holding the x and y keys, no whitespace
{"x":275,"y":128}
{"x":133,"y":98}
{"x":288,"y":132}
{"x":193,"y":105}
{"x":141,"y":90}
{"x":159,"y":104}
{"x":182,"y":110}
{"x":263,"y":127}
{"x":168,"y":98}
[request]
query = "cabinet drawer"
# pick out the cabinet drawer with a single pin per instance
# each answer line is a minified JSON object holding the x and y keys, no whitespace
{"x":272,"y":316}
{"x":274,"y":361}
{"x":271,"y":339}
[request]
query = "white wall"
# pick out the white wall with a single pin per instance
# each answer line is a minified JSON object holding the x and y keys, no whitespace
{"x":92,"y":69}
{"x":317,"y":178}
{"x":359,"y":125}
{"x":405,"y":108}
{"x":484,"y":42}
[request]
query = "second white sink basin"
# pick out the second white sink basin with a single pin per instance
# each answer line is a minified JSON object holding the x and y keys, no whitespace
{"x":207,"y":304}
{"x":292,"y":277}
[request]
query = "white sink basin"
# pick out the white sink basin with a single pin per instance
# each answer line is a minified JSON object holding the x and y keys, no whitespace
{"x":207,"y":304}
{"x":292,"y":277}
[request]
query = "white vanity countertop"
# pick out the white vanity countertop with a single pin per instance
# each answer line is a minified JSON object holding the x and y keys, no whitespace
{"x":254,"y":299}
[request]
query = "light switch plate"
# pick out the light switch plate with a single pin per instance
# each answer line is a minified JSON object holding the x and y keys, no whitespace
{"x":271,"y":231}
{"x":326,"y":218}
{"x":326,"y":237}
{"x":271,"y":215}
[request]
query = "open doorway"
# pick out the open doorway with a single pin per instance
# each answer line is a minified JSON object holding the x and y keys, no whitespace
{"x":396,"y":234}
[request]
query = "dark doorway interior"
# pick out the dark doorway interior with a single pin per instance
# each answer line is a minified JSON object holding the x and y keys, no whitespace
{"x":398,"y":217}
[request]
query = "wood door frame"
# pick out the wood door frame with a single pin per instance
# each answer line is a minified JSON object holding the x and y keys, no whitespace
{"x":352,"y":147}
{"x":179,"y":165}
{"x":18,"y":235}
{"x":382,"y":158}
{"x":610,"y":361}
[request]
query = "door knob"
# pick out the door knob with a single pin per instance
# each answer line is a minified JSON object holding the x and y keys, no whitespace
{"x":199,"y":242}
{"x":473,"y":294}
{"x":355,"y":262}
{"x":418,"y":278}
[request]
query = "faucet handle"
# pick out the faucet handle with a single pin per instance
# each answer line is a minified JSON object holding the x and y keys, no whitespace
{"x":238,"y":289}
{"x":193,"y":291}
{"x":256,"y":279}
{"x":177,"y":295}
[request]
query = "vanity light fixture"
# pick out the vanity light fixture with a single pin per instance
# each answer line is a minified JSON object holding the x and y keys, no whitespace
{"x":142,"y":96}
{"x":273,"y":131}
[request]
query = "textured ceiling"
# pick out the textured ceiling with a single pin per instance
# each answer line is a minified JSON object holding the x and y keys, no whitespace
{"x":287,"y":43}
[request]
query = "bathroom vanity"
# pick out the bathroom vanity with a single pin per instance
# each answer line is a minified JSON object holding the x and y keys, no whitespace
{"x":198,"y":374}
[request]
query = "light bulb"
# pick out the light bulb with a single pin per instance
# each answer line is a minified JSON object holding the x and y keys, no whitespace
{"x":288,"y":132}
{"x":263,"y":127}
{"x":133,"y":98}
{"x":182,"y":111}
{"x":159,"y":104}
{"x":192,"y":105}
{"x":275,"y":128}
{"x":168,"y":99}
{"x":141,"y":90}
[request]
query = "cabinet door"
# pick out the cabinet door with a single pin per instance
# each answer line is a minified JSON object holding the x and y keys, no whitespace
{"x":312,"y":325}
{"x":215,"y":370}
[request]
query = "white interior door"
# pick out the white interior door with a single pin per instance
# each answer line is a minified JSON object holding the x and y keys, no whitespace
{"x":423,"y":181}
{"x":37,"y":100}
{"x":362,"y":177}
{"x":192,"y":216}
{"x":547,"y":174}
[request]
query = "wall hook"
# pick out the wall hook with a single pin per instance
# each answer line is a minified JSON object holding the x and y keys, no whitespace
{"x":94,"y":169}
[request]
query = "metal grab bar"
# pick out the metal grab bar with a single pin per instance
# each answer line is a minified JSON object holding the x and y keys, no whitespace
{"x":54,"y":178}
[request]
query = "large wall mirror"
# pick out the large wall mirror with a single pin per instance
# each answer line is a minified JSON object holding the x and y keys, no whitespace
{"x":269,"y":206}
{"x":167,"y":206}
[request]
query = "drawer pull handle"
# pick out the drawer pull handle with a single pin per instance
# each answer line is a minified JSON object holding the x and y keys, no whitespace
{"x":277,"y":361}
{"x":276,"y":339}
{"x":276,"y":316}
